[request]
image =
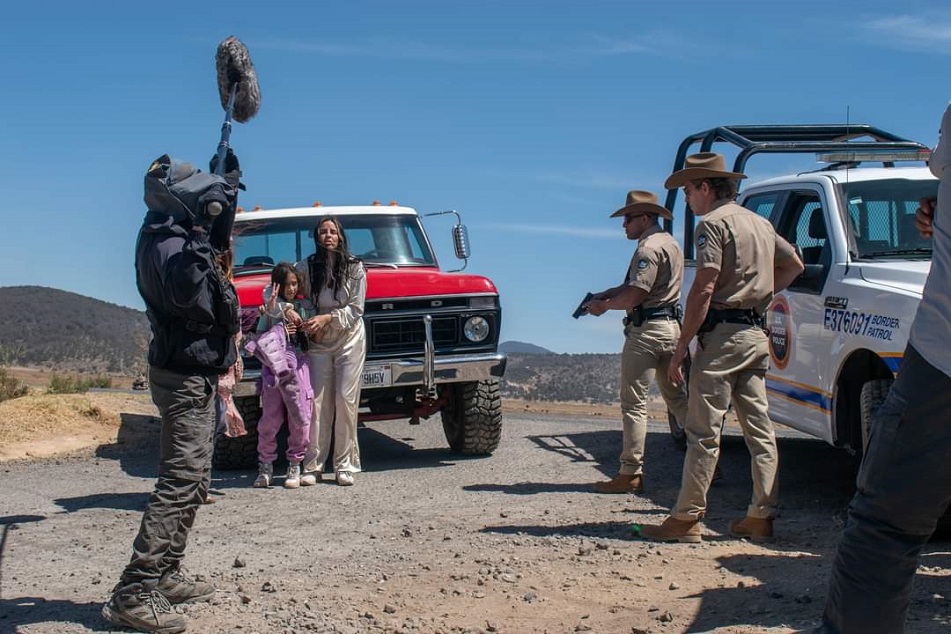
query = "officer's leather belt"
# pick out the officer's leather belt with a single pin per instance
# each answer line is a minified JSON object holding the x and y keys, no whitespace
{"x":639,"y":315}
{"x":716,"y":316}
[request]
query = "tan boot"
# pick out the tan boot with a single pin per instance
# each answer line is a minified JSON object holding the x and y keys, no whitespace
{"x":621,"y":483}
{"x":755,"y":529}
{"x":672,"y":530}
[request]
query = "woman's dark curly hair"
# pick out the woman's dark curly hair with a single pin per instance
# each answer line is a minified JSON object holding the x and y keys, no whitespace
{"x":320,"y":276}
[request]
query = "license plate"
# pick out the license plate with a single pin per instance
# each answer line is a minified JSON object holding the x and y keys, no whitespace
{"x":377,"y":376}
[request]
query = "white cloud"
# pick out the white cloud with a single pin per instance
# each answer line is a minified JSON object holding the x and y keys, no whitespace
{"x":590,"y":179}
{"x":589,"y":46}
{"x":930,"y":33}
{"x":574,"y":231}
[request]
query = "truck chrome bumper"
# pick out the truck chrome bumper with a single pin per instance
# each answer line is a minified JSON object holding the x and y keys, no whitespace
{"x":410,"y":372}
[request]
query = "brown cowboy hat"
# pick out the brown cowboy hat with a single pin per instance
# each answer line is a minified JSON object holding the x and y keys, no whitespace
{"x":701,"y":165}
{"x":641,"y":202}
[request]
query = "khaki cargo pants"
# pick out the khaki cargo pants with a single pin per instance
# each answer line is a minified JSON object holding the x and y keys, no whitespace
{"x":646,"y":354}
{"x":730,"y":364}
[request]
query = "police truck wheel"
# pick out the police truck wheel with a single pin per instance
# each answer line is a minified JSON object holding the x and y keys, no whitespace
{"x":870,"y":399}
{"x":677,"y":433}
{"x":240,"y":452}
{"x":472,"y":420}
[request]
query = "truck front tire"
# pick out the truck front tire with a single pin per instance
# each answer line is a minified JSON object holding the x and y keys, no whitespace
{"x":240,"y":452}
{"x":472,"y":420}
{"x":870,"y":399}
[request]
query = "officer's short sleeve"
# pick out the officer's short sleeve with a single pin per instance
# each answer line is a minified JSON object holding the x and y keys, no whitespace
{"x":643,"y":271}
{"x":784,"y":250}
{"x":709,"y":245}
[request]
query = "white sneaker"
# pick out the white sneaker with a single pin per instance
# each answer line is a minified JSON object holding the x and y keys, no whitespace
{"x":265,"y":475}
{"x":344,"y":478}
{"x":292,"y":479}
{"x":309,"y":478}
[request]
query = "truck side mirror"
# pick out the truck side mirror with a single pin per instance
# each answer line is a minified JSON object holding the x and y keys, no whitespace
{"x":460,"y":240}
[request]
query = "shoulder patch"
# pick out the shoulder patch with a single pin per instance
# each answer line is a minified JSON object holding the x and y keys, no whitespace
{"x":701,"y":240}
{"x":642,"y":264}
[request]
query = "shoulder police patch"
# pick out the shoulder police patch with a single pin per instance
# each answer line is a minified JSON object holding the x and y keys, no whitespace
{"x":642,"y":264}
{"x":701,"y":240}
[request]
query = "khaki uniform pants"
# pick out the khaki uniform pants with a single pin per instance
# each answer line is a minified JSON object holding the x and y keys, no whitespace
{"x":646,"y":354}
{"x":731,"y":362}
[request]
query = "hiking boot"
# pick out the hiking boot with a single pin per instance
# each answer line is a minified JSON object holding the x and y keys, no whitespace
{"x":178,"y":588}
{"x":344,"y":478}
{"x":142,"y":607}
{"x":672,"y":530}
{"x":310,"y":478}
{"x":292,"y":479}
{"x":622,"y":483}
{"x":265,"y":475}
{"x":756,"y":529}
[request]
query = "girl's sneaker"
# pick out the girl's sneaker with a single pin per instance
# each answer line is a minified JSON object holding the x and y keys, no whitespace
{"x":265,"y":475}
{"x":309,"y":478}
{"x":292,"y":480}
{"x":344,"y":478}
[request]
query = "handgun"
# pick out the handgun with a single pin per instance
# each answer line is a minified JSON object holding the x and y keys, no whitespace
{"x":582,"y":308}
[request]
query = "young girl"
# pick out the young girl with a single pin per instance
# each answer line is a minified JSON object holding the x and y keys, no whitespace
{"x":286,"y":391}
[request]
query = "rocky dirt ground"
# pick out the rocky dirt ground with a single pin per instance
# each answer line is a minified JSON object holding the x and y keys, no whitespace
{"x":426,"y":541}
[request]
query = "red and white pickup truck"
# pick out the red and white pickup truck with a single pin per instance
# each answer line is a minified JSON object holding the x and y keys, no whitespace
{"x":432,"y":335}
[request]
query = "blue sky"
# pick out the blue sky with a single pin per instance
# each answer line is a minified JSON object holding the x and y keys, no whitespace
{"x":533,"y":119}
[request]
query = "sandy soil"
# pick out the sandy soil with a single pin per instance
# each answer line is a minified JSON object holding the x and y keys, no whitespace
{"x":426,"y":542}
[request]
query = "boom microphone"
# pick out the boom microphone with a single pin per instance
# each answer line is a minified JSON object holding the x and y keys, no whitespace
{"x":236,"y":74}
{"x":238,"y":89}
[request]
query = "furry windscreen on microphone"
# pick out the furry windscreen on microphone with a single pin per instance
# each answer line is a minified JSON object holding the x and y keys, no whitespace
{"x":234,"y":67}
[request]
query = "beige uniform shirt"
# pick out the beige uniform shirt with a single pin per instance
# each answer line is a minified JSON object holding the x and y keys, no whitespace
{"x":658,"y":268}
{"x":743,"y":247}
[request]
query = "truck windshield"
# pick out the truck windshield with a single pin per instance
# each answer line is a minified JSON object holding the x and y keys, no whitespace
{"x":375,"y":239}
{"x":882,"y":217}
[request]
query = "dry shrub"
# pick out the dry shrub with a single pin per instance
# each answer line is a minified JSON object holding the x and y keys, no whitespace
{"x":10,"y":387}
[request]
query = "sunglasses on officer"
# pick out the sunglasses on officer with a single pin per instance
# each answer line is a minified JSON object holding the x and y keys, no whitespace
{"x":630,"y":217}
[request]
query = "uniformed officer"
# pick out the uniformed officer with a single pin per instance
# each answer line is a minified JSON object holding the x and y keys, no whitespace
{"x":741,"y":263}
{"x":650,"y":294}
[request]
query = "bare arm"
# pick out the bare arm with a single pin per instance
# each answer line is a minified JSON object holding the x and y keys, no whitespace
{"x":785,"y":272}
{"x":698,"y":303}
{"x":623,"y":298}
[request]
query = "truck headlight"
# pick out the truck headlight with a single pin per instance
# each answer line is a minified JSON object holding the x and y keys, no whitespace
{"x":476,"y":329}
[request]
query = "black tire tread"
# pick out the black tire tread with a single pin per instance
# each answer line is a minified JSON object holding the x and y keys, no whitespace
{"x":473,"y":423}
{"x":240,"y":452}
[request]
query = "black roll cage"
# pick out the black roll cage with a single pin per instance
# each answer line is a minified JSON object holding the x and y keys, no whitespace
{"x":784,"y":139}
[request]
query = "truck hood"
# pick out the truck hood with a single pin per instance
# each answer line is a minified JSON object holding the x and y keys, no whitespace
{"x":905,"y":276}
{"x":385,"y":283}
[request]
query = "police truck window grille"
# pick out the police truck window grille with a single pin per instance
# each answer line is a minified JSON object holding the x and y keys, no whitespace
{"x":882,"y":213}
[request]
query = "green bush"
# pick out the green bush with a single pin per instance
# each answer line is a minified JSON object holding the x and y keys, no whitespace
{"x":76,"y":385}
{"x":10,"y":387}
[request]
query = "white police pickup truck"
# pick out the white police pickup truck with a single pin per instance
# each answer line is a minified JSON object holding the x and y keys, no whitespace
{"x":837,"y":334}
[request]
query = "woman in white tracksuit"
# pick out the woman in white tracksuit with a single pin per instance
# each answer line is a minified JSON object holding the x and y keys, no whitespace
{"x":335,"y":282}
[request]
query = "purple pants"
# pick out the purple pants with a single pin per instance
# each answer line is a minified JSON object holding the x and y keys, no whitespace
{"x":291,"y":400}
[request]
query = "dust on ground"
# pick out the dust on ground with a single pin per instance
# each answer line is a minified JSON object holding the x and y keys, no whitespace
{"x":427,"y":542}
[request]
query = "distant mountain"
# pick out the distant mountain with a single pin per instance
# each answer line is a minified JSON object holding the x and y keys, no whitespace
{"x":47,"y":327}
{"x":63,"y":331}
{"x":584,"y":378}
{"x":520,"y":347}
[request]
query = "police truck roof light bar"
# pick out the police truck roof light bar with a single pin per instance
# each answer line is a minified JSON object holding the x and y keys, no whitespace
{"x":789,"y":139}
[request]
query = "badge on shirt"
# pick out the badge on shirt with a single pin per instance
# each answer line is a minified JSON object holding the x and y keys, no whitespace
{"x":642,"y":264}
{"x":701,"y":240}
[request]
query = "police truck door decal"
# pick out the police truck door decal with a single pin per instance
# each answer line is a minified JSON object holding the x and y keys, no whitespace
{"x":780,"y":332}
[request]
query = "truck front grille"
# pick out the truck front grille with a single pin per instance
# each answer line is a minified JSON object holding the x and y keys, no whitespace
{"x":409,"y":334}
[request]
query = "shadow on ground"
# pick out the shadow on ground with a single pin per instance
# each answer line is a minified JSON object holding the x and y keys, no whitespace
{"x":21,"y":611}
